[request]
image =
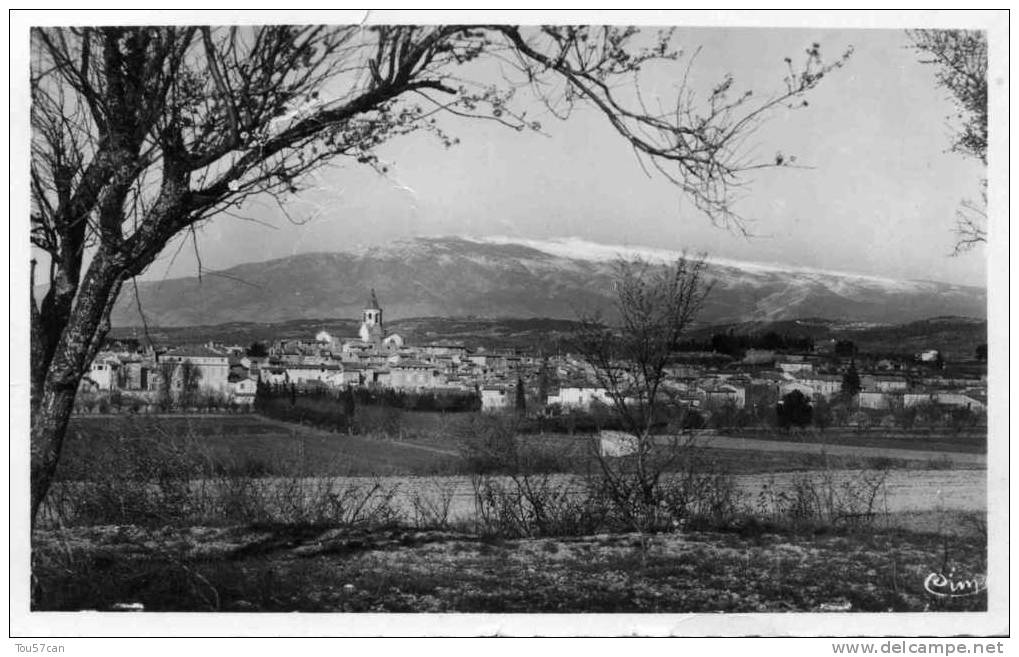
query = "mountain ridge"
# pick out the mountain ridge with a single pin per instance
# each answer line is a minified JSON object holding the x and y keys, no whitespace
{"x":495,"y":277}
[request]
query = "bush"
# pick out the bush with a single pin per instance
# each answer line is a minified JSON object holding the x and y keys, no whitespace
{"x":727,"y":416}
{"x":824,"y":500}
{"x":536,"y":505}
{"x":492,"y":443}
{"x":432,"y":505}
{"x":702,"y":499}
{"x":151,"y":479}
{"x":315,"y":411}
{"x":297,"y":500}
{"x":794,"y":410}
{"x":377,"y":420}
{"x":139,"y":479}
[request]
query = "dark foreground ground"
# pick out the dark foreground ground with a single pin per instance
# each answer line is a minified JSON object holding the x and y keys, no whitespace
{"x":106,"y":555}
{"x":317,"y":569}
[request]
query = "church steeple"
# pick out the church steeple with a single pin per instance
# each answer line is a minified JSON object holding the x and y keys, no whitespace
{"x":373,"y":302}
{"x":371,"y":320}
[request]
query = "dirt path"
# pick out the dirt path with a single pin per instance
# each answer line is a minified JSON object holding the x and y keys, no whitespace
{"x":427,"y":448}
{"x":310,"y":430}
{"x":749,"y":444}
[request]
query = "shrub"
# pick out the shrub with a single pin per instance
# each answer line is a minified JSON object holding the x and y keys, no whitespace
{"x":824,"y":500}
{"x":377,"y":420}
{"x":431,"y":503}
{"x":148,"y":478}
{"x":297,"y":500}
{"x":536,"y":505}
{"x":794,"y":410}
{"x":138,"y":479}
{"x":702,"y":499}
{"x":316,"y":411}
{"x":492,"y":443}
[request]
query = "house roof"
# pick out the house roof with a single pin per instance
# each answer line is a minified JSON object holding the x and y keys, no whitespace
{"x":722,"y":387}
{"x":978,"y":395}
{"x":579,"y":385}
{"x":806,"y":378}
{"x":412,"y":364}
{"x":200,"y":351}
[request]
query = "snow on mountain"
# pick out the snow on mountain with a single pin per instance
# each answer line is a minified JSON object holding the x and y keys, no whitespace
{"x":511,"y":277}
{"x":576,"y":248}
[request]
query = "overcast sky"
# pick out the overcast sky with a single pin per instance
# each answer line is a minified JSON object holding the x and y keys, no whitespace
{"x":879,"y":198}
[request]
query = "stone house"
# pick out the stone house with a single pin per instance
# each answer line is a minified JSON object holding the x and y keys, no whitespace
{"x":495,"y":398}
{"x":579,"y":396}
{"x":213,"y":365}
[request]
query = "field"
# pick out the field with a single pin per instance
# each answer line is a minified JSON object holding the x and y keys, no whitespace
{"x":292,"y":518}
{"x":255,"y":445}
{"x":966,"y":441}
{"x":424,"y":444}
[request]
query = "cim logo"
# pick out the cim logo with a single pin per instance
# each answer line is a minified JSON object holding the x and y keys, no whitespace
{"x":946,"y":586}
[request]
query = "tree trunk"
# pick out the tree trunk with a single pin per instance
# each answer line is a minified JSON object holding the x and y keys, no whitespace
{"x":79,"y":342}
{"x":49,"y":426}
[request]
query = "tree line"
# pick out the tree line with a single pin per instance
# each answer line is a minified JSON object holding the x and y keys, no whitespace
{"x":737,"y":344}
{"x":347,"y":399}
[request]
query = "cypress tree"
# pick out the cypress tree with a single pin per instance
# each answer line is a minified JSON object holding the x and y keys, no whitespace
{"x":851,"y":381}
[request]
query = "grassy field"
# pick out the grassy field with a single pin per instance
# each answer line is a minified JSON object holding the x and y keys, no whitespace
{"x":320,"y":569}
{"x":256,"y":446}
{"x":972,"y":441}
{"x":421,"y":444}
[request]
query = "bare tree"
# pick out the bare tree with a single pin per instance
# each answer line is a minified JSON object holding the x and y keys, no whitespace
{"x":190,"y":377}
{"x":628,"y":358}
{"x":165,"y":373}
{"x":960,"y":58}
{"x":140,"y":134}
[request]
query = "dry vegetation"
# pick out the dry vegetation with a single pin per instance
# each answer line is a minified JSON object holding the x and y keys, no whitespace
{"x":233,"y":514}
{"x":309,"y":568}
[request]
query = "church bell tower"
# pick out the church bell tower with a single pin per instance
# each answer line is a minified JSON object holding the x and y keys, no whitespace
{"x":371,"y":320}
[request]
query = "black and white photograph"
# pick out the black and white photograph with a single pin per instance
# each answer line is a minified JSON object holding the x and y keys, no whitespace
{"x":469,"y":323}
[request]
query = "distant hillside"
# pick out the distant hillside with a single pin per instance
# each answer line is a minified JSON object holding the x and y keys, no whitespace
{"x":454,"y":277}
{"x":956,"y":336}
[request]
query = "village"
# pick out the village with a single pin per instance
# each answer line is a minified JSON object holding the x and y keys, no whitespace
{"x":227,"y":376}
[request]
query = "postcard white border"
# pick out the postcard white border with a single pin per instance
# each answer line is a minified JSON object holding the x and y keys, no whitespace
{"x":995,"y":621}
